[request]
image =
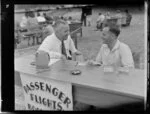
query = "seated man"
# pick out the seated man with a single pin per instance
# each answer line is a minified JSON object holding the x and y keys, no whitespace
{"x":113,"y":52}
{"x":54,"y":43}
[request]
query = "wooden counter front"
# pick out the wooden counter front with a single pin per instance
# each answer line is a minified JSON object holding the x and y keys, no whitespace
{"x":93,"y":86}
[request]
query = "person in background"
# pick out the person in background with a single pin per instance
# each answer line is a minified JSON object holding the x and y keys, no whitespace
{"x":48,"y":18}
{"x":128,"y":17}
{"x":24,"y":21}
{"x":69,"y":20}
{"x":113,"y":52}
{"x":127,"y":13}
{"x":40,"y":18}
{"x":89,"y":20}
{"x":32,"y":20}
{"x":55,"y":45}
{"x":65,"y":19}
{"x":83,"y":18}
{"x":62,"y":17}
{"x":100,"y":21}
{"x":107,"y":15}
{"x":119,"y":18}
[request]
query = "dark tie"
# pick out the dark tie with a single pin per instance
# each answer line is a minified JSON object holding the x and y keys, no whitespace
{"x":63,"y":49}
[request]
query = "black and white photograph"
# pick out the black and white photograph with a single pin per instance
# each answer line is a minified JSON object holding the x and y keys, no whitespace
{"x":80,"y":57}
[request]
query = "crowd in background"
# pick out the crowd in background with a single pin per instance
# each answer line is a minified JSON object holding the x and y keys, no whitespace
{"x":34,"y":18}
{"x":31,"y":19}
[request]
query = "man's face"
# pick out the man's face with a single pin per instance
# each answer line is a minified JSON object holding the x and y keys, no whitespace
{"x":107,"y":36}
{"x":63,"y":31}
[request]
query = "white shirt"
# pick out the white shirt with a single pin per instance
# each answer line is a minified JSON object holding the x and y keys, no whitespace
{"x":101,"y":18}
{"x":52,"y":45}
{"x":41,"y":19}
{"x":119,"y":56}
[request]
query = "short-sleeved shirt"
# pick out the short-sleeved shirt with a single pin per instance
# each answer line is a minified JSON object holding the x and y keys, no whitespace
{"x":119,"y":56}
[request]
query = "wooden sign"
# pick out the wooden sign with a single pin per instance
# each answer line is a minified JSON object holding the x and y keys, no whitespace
{"x":46,"y":94}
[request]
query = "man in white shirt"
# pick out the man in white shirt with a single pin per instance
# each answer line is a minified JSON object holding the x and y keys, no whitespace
{"x":100,"y":20}
{"x":113,"y":52}
{"x":52,"y":44}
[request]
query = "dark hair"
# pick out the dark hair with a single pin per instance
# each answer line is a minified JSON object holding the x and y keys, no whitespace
{"x":114,"y":29}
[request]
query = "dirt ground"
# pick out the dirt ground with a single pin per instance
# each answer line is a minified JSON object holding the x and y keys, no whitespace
{"x":90,"y":43}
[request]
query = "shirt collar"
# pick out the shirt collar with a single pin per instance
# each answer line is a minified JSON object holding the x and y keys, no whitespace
{"x":115,"y":47}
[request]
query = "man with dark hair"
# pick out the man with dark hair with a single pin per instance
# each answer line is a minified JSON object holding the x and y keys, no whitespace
{"x":113,"y":52}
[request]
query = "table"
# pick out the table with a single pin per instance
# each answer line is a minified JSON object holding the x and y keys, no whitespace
{"x":92,"y":86}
